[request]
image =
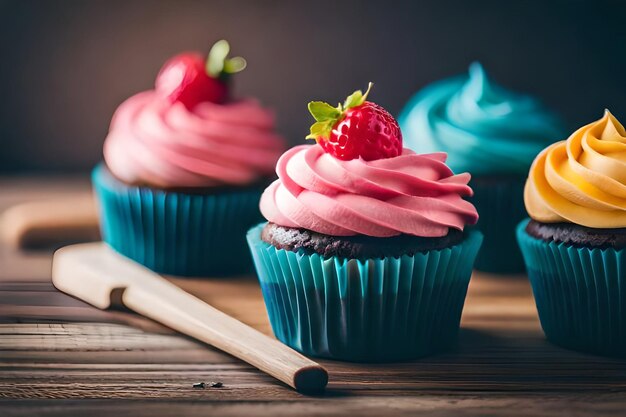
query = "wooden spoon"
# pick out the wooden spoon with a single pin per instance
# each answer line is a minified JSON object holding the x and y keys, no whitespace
{"x":96,"y":274}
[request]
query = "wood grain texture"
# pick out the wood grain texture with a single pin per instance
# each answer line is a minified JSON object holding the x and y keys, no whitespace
{"x":59,"y":356}
{"x":518,"y":405}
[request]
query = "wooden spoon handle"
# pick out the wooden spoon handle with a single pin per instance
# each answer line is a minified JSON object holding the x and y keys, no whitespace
{"x":193,"y":317}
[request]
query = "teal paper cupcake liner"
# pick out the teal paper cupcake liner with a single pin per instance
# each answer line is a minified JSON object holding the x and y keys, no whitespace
{"x":500,"y":205}
{"x":376,"y":310}
{"x":177,"y":233}
{"x":580,"y":293}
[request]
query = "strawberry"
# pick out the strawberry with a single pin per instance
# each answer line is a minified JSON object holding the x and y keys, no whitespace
{"x":190,"y":79}
{"x":355,"y":129}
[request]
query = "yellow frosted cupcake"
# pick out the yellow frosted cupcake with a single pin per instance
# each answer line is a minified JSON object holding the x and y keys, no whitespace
{"x":573,"y":244}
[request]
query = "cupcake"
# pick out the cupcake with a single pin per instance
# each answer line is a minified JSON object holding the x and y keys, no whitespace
{"x":364,"y":256}
{"x":184,"y":168}
{"x":573,"y":243}
{"x":492,"y":133}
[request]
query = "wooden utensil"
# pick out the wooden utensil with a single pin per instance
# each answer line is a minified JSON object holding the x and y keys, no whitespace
{"x":51,"y":222}
{"x":96,"y":274}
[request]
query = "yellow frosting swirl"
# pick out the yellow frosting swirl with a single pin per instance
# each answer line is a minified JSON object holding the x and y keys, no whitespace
{"x":581,"y":180}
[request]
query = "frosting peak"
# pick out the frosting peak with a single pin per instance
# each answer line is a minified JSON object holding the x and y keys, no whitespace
{"x":153,"y":141}
{"x":479,"y":94}
{"x":408,"y":194}
{"x":477,"y":85}
{"x":581,"y":180}
{"x":484,"y":128}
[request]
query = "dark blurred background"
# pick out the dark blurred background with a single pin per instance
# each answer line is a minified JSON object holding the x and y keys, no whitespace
{"x":66,"y":65}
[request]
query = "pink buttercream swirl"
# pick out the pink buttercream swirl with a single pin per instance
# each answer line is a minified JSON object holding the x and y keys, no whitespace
{"x":409,"y":194}
{"x":154,"y":142}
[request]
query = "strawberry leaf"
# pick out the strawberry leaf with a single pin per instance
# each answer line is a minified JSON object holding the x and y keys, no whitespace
{"x":234,"y":65}
{"x":320,"y":130}
{"x":219,"y":65}
{"x":357,"y":98}
{"x":217,"y":56}
{"x":353,"y":100}
{"x":323,"y":111}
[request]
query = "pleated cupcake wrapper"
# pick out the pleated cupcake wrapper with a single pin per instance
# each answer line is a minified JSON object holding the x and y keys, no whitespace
{"x":500,"y":207}
{"x":580,"y":293}
{"x":385,"y":309}
{"x":177,"y":233}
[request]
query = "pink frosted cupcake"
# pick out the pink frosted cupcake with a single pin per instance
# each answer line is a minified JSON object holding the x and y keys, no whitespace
{"x":365,"y":255}
{"x":185,"y":165}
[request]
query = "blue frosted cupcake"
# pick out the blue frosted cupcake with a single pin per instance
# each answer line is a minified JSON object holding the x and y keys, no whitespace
{"x":574,"y":243}
{"x":364,"y":256}
{"x":185,"y":166}
{"x":493,"y":134}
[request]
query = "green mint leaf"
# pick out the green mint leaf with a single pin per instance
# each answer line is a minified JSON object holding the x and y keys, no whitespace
{"x":323,"y":111}
{"x":234,"y":65}
{"x":217,"y":57}
{"x":320,"y":130}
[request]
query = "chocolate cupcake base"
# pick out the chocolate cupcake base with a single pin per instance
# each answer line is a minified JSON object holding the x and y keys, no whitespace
{"x":573,"y":234}
{"x":358,"y":247}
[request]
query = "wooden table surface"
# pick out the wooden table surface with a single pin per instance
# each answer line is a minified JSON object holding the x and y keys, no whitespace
{"x":59,"y":356}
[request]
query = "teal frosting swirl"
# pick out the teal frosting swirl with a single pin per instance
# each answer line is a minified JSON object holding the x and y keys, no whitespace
{"x":484,"y":128}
